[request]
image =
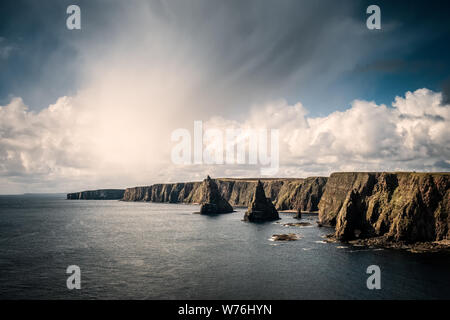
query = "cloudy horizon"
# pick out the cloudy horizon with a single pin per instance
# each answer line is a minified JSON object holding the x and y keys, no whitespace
{"x":95,"y":108}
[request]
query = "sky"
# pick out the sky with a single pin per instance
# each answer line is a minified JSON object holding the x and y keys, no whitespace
{"x":96,"y":107}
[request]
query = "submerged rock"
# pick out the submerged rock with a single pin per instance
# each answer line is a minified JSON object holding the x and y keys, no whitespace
{"x":297,"y":224}
{"x":260,"y":208}
{"x":213,"y":201}
{"x":285,"y":237}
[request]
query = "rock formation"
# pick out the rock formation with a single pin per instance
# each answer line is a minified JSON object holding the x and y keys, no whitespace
{"x":213,"y":202}
{"x":287,"y":194}
{"x":285,"y":237}
{"x":105,"y":194}
{"x":297,"y":224}
{"x":405,"y":206}
{"x":260,"y":208}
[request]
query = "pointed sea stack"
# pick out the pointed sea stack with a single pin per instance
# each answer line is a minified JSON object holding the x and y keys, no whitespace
{"x":213,"y":201}
{"x":260,"y":208}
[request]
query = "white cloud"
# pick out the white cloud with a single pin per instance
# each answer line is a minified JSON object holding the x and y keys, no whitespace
{"x":412,"y":134}
{"x":75,"y":145}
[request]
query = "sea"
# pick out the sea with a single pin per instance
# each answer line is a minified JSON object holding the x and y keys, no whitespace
{"x":142,"y":250}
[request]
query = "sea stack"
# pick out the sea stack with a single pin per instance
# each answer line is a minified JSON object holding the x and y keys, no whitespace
{"x":298,"y":215}
{"x":260,"y":208}
{"x":213,"y":202}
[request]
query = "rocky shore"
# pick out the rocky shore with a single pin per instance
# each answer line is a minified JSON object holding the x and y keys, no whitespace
{"x":385,"y":243}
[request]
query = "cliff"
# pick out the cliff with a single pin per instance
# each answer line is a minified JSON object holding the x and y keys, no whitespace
{"x":106,"y":194}
{"x":301,"y":195}
{"x":286,"y":194}
{"x":171,"y":192}
{"x":372,"y":207}
{"x":403,"y":206}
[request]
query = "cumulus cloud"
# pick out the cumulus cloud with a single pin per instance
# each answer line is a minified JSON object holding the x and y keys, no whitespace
{"x":411,"y":134}
{"x":36,"y":148}
{"x":67,"y":146}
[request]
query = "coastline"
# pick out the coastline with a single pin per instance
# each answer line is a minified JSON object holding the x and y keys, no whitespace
{"x":398,"y":210}
{"x":383,"y":243}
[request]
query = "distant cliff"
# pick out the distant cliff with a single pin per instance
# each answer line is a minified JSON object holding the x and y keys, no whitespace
{"x":106,"y":194}
{"x":286,"y":194}
{"x":404,"y":206}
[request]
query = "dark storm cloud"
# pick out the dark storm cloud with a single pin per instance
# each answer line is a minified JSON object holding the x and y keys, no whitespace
{"x":260,"y":48}
{"x":31,"y":28}
{"x":42,"y":63}
{"x":268,"y":40}
{"x":139,"y":69}
{"x":257,"y":49}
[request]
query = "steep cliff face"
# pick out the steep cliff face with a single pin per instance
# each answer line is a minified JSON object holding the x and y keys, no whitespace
{"x":106,"y":194}
{"x":239,"y":192}
{"x":170,"y":192}
{"x":286,"y":194}
{"x":409,"y":207}
{"x":302,"y":195}
{"x":135,"y":194}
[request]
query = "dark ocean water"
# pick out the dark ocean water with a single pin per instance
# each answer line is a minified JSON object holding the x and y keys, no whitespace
{"x":162,"y":251}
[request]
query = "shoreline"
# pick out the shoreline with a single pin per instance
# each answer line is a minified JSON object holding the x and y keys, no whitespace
{"x":383,"y":243}
{"x":400,"y":210}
